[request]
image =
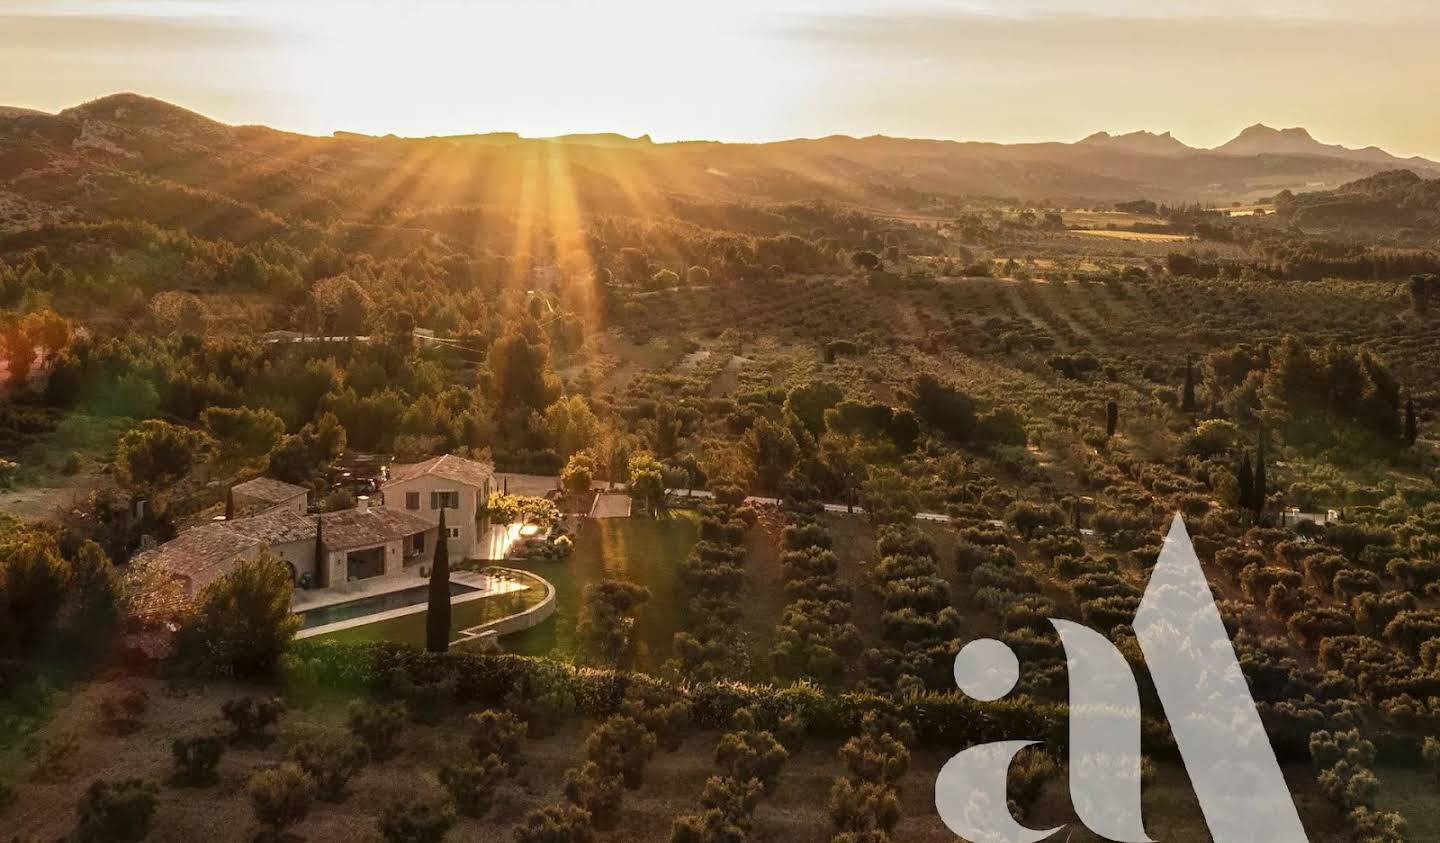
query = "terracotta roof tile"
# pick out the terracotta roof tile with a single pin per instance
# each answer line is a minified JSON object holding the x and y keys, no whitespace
{"x":351,"y":528}
{"x":449,"y":467}
{"x":268,"y":489}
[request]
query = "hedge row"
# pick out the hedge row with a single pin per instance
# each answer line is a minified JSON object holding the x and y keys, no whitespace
{"x":943,"y":720}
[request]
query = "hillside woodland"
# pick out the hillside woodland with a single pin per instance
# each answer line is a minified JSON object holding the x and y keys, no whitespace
{"x":1051,"y":349}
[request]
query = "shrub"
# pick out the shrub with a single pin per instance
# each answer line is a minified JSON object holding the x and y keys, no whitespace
{"x":862,"y":837}
{"x":1349,"y":786}
{"x":378,"y":725}
{"x":1330,"y":748}
{"x":1377,"y":826}
{"x":281,"y":797}
{"x":621,"y":746}
{"x":1028,"y":773}
{"x":607,"y":615}
{"x":497,"y":733}
{"x":1431,"y":753}
{"x":242,"y":622}
{"x":425,"y":697}
{"x":711,"y":826}
{"x":749,"y":754}
{"x":331,"y":759}
{"x":542,"y":698}
{"x":196,"y":759}
{"x":116,"y":811}
{"x":251,"y":719}
{"x":881,"y":759}
{"x":663,"y":712}
{"x":598,"y":792}
{"x":555,"y":824}
{"x":121,"y":712}
{"x":426,"y":819}
{"x":1029,"y":518}
{"x":734,"y":798}
{"x":863,"y":806}
{"x":472,"y":784}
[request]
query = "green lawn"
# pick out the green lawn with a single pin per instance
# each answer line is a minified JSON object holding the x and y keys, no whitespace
{"x":643,"y":550}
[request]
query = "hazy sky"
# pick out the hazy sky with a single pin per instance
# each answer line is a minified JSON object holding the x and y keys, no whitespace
{"x":1004,"y":70}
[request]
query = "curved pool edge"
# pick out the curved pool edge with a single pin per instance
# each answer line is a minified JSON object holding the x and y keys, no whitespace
{"x":480,"y":636}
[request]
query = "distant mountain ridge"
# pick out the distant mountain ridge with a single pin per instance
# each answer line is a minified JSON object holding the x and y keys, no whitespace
{"x":1260,"y":139}
{"x":1147,"y":143}
{"x":97,"y":159}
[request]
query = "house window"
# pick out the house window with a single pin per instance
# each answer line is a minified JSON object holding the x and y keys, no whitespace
{"x":452,"y":532}
{"x":412,"y":500}
{"x":448,"y":500}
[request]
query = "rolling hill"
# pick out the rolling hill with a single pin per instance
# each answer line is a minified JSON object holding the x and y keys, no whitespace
{"x":142,"y":157}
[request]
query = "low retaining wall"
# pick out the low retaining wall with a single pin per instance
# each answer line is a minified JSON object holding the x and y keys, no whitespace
{"x":482,"y":637}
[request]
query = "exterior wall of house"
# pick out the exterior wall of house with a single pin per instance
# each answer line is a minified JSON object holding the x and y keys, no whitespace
{"x":301,"y":556}
{"x":460,"y":519}
{"x":339,"y":560}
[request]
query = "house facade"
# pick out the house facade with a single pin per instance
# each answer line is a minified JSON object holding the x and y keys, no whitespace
{"x":356,"y":544}
{"x":459,"y":486}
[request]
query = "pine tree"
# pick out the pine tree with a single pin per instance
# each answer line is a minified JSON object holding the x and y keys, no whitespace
{"x":1260,"y":492}
{"x":1112,"y":418}
{"x":437,"y":619}
{"x":1245,"y":480}
{"x":1412,"y":430}
{"x":1188,"y":402}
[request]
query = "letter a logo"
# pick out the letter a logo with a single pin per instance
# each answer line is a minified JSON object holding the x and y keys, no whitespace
{"x":1197,"y":677}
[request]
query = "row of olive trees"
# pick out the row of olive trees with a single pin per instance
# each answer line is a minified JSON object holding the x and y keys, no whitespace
{"x":816,"y":636}
{"x":711,"y":646}
{"x":750,"y":759}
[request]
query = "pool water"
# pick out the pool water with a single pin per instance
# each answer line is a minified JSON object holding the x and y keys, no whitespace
{"x":365,"y":606}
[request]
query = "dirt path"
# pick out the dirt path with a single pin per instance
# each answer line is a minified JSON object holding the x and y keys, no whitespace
{"x":43,"y":503}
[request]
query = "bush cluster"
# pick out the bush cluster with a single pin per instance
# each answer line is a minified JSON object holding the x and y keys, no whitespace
{"x":815,"y":637}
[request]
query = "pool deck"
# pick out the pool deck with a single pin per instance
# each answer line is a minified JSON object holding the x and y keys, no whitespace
{"x":486,"y":585}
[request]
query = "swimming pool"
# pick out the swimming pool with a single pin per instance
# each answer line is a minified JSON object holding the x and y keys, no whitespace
{"x":366,"y":606}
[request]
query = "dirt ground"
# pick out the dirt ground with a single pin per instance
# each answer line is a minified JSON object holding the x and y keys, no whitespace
{"x":38,"y":503}
{"x":796,"y":812}
{"x":44,"y":810}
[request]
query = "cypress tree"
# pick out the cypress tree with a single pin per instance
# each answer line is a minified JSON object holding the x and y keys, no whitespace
{"x":230,"y":503}
{"x":1188,"y":401}
{"x":437,"y":618}
{"x":1412,"y":430}
{"x":1260,"y":492}
{"x":322,"y":564}
{"x":1112,"y":418}
{"x":1245,"y":479}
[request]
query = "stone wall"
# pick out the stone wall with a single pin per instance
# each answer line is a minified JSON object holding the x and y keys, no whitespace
{"x":476,"y":638}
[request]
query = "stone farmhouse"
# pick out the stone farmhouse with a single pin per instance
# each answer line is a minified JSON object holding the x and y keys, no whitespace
{"x":361,"y":543}
{"x":462,"y":487}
